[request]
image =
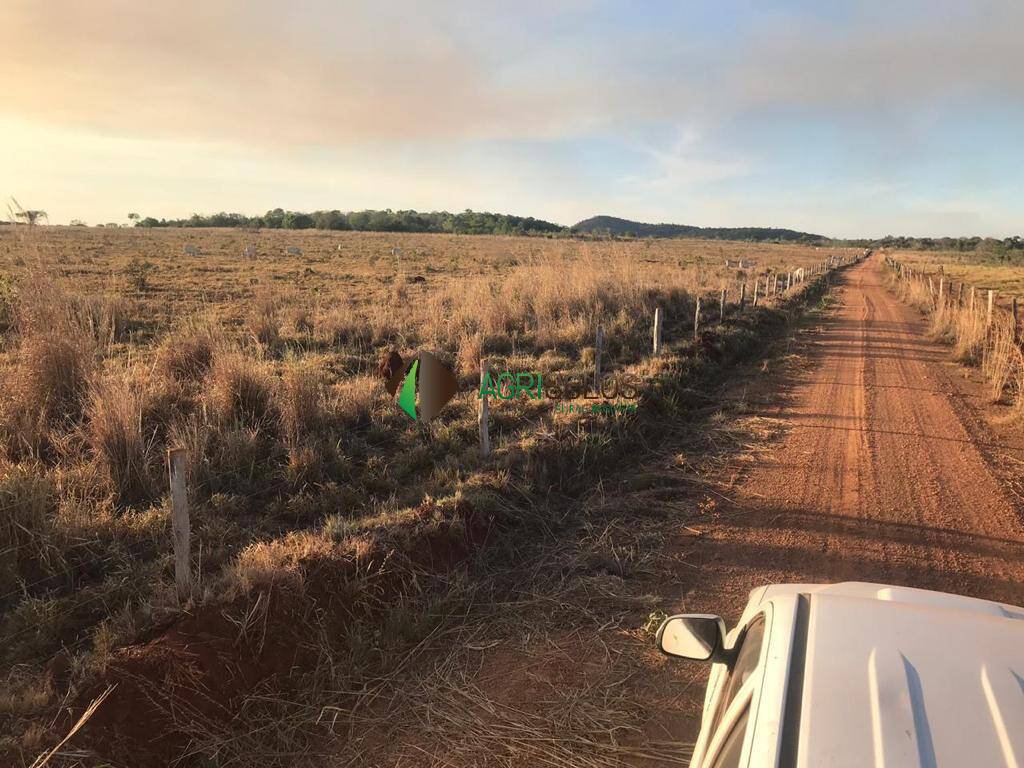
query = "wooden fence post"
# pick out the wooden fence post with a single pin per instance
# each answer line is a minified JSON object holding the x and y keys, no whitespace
{"x":973,"y":291}
{"x":960,"y":295}
{"x":180,"y":529}
{"x":598,"y":346}
{"x":658,"y":318}
{"x":484,"y":416}
{"x":1016,"y":320}
{"x":942,"y":292}
{"x":991,"y":301}
{"x":696,"y":320}
{"x":743,"y":295}
{"x":721,"y":306}
{"x":757,"y":284}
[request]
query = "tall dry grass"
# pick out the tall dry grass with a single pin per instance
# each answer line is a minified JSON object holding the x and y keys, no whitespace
{"x":27,"y":497}
{"x":978,"y":341}
{"x":114,"y":430}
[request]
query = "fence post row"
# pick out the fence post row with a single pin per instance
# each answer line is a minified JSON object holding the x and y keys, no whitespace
{"x":947,"y":297}
{"x":180,"y":528}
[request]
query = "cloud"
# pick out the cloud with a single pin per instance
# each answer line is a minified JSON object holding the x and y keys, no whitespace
{"x":328,"y":74}
{"x":689,"y":160}
{"x":883,"y":60}
{"x":263,"y":73}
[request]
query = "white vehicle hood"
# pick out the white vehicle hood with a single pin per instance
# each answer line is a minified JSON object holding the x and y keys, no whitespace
{"x":901,"y":677}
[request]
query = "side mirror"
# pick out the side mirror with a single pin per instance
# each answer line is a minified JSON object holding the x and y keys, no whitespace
{"x":696,"y":636}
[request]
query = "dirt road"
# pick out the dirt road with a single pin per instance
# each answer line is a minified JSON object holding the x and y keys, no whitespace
{"x":881,"y":473}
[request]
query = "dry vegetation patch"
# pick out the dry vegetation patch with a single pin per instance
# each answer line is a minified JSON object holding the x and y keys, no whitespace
{"x":301,"y":469}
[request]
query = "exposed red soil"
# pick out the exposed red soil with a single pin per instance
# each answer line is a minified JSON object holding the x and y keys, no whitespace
{"x":200,"y":669}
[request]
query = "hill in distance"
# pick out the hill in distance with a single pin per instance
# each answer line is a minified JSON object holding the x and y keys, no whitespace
{"x":610,"y":225}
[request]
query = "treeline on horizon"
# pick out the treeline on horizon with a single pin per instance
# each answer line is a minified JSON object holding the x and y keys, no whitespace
{"x":1008,"y":249}
{"x":467,"y":222}
{"x":485,"y":223}
{"x":991,"y":245}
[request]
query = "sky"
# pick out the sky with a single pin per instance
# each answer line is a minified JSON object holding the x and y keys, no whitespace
{"x":849,"y":119}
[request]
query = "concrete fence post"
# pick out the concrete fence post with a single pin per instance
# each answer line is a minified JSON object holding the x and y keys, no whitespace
{"x":180,"y":528}
{"x":1016,"y":320}
{"x":484,"y":414}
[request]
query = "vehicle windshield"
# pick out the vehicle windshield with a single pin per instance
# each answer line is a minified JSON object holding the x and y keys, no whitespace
{"x":746,"y":658}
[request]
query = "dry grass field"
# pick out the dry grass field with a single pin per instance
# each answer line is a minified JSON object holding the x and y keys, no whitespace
{"x":974,"y":268}
{"x":118,"y":344}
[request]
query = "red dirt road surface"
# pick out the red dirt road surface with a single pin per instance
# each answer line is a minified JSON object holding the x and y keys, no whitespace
{"x":882,"y":474}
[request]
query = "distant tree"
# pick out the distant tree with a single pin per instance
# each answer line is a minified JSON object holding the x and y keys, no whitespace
{"x":134,"y":218}
{"x":274,"y":219}
{"x":30,"y":217}
{"x":297,"y":221}
{"x":77,"y":223}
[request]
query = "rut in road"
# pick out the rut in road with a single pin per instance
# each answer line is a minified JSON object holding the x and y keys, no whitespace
{"x":879,"y":477}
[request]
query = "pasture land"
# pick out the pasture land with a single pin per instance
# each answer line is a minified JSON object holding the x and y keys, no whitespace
{"x":974,"y":268}
{"x":118,"y":344}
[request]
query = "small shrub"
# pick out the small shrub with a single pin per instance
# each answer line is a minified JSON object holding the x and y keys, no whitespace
{"x":137,"y":272}
{"x":241,"y":390}
{"x":354,"y":399}
{"x":264,"y":322}
{"x":26,"y":498}
{"x":341,"y":325}
{"x":471,"y":347}
{"x":301,"y":400}
{"x":275,"y":563}
{"x":46,"y":392}
{"x":186,"y":356}
{"x":299,"y":319}
{"x":8,"y":299}
{"x":101,"y":318}
{"x":114,"y":432}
